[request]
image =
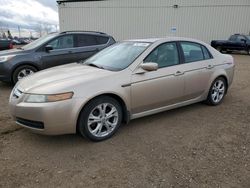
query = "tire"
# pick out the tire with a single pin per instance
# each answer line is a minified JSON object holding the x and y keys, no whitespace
{"x":22,"y":72}
{"x":93,"y":122}
{"x":217,"y":92}
{"x":248,"y":51}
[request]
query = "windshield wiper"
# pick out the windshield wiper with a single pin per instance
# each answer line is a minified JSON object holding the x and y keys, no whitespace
{"x":20,"y":48}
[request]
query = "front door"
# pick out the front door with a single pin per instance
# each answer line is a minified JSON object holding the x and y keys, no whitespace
{"x":62,"y":52}
{"x":156,"y":89}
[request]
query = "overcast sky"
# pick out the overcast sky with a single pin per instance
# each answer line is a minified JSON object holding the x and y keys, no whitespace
{"x":28,"y":14}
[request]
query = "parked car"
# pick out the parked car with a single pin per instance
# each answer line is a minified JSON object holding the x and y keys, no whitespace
{"x":236,"y":42}
{"x":128,"y":80}
{"x":5,"y":44}
{"x":15,"y":42}
{"x":49,"y":51}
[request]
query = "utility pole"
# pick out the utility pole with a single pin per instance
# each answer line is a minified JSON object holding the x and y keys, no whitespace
{"x":19,"y":32}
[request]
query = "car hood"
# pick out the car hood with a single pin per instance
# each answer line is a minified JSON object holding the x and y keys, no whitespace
{"x":13,"y":52}
{"x":61,"y":78}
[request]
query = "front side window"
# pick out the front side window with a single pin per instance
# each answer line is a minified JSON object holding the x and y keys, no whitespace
{"x":39,"y":42}
{"x":192,"y":52}
{"x":164,"y":55}
{"x":62,"y":42}
{"x":240,"y":39}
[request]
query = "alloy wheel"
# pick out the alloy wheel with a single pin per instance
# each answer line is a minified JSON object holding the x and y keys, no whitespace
{"x":218,"y":91}
{"x":24,"y":73}
{"x":102,"y":120}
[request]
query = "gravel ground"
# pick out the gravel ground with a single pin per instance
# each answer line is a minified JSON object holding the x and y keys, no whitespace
{"x":195,"y":146}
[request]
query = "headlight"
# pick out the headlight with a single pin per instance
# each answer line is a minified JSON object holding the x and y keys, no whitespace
{"x":36,"y":98}
{"x":6,"y":58}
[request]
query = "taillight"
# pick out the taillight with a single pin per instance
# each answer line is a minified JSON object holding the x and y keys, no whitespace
{"x":11,"y":46}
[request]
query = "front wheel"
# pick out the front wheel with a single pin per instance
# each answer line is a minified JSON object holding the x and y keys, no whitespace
{"x":100,"y":118}
{"x":22,"y":72}
{"x":217,"y":92}
{"x":248,"y":51}
{"x":218,"y":48}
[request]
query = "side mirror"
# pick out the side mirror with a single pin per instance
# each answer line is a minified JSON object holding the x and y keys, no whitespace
{"x":48,"y":48}
{"x":149,"y":66}
{"x":243,"y":40}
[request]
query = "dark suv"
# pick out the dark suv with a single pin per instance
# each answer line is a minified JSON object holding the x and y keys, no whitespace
{"x":49,"y":51}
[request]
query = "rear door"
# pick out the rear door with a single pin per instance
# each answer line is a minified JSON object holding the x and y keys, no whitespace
{"x":88,"y":45}
{"x":198,"y":66}
{"x":62,"y":52}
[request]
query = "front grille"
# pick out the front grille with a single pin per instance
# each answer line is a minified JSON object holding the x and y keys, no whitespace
{"x":29,"y":123}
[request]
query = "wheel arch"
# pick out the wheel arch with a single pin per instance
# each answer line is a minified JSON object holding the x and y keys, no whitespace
{"x":216,"y":76}
{"x":23,"y":64}
{"x":125,"y":112}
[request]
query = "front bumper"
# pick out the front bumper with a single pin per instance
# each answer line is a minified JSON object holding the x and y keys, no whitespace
{"x":54,"y":118}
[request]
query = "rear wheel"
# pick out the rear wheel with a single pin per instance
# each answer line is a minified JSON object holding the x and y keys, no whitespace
{"x":218,"y":48}
{"x":22,"y":72}
{"x":100,"y":118}
{"x":217,"y":92}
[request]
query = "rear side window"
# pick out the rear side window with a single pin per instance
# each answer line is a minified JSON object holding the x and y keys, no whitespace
{"x":233,"y":38}
{"x":102,"y":40}
{"x":192,"y":52}
{"x":206,"y":53}
{"x":195,"y":52}
{"x":86,"y":40}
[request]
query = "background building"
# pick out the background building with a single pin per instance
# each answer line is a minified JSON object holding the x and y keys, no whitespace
{"x":125,"y":19}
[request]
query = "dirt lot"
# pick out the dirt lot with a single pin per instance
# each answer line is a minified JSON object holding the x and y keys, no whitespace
{"x":195,"y":146}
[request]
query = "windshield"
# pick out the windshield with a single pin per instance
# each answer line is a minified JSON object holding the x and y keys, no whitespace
{"x":248,"y":37}
{"x":38,"y":42}
{"x":117,"y":57}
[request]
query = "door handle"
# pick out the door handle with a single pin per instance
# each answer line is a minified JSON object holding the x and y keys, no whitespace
{"x":210,"y":66}
{"x":70,"y":52}
{"x":178,"y":73}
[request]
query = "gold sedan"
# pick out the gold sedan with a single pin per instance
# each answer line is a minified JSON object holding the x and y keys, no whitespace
{"x":128,"y":80}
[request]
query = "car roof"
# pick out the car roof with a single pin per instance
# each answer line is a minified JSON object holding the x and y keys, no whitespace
{"x":85,"y":32}
{"x":152,"y":40}
{"x":166,"y":39}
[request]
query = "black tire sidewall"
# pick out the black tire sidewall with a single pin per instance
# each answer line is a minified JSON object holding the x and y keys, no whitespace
{"x":209,"y":98}
{"x":82,"y":126}
{"x":18,"y":69}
